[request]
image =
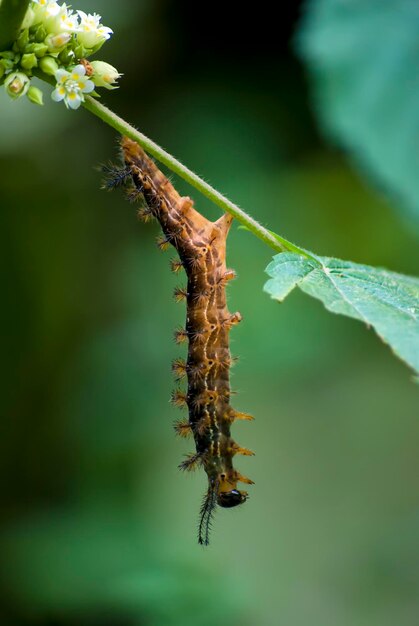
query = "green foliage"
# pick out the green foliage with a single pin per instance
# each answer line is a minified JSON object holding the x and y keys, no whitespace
{"x":363,"y":56}
{"x":12,"y":13}
{"x":387,"y":301}
{"x":113,"y":567}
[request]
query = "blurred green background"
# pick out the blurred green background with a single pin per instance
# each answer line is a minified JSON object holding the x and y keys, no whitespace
{"x":99,"y":526}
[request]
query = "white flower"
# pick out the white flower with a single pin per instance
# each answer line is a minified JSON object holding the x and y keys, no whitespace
{"x":56,"y":19}
{"x":65,"y":21}
{"x":57,"y":42}
{"x":105,"y":75}
{"x":44,"y":9}
{"x":71,"y":86}
{"x":91,"y":32}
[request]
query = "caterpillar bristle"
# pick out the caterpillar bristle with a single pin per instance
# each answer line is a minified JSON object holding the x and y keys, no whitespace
{"x":133,"y":194}
{"x":236,"y":449}
{"x":179,"y":368}
{"x":180,"y":335}
{"x":162,"y":243}
{"x":183,"y":428}
{"x":113,"y":176}
{"x":196,"y":371}
{"x":174,"y":236}
{"x":180,"y":294}
{"x":178,"y":398}
{"x":227,"y":394}
{"x":225,"y":363}
{"x":145,"y":214}
{"x":239,"y":415}
{"x":193,"y":261}
{"x":176,"y":265}
{"x":233,"y":320}
{"x":191,"y":462}
{"x":226,"y":277}
{"x":201,"y":426}
{"x":200,"y":297}
{"x":243,"y":479}
{"x":198,"y":335}
{"x":200,"y":400}
{"x":206,"y":513}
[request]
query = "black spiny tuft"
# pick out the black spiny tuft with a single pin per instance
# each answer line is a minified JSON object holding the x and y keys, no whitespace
{"x":191,"y":462}
{"x":113,"y":176}
{"x":206,"y":514}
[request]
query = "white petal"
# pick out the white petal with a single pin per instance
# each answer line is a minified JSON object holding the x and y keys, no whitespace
{"x":80,"y":70}
{"x":88,"y":87}
{"x":58,"y":95}
{"x":75,"y":102}
{"x":60,"y":74}
{"x":105,"y":32}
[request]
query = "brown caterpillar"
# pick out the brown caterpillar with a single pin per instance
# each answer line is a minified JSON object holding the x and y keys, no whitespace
{"x":201,"y":246}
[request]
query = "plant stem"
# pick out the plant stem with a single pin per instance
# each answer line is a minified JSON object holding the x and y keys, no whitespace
{"x":274,"y":241}
{"x":12,"y":13}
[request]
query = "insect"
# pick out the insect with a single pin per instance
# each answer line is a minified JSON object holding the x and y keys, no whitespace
{"x":201,"y":246}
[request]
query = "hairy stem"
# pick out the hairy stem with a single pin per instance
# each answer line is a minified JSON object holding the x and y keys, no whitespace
{"x":12,"y":13}
{"x":274,"y":241}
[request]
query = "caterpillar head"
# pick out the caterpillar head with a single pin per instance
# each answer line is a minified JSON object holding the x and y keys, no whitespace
{"x":228,"y":499}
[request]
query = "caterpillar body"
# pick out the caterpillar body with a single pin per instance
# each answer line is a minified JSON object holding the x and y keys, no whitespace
{"x":201,"y":246}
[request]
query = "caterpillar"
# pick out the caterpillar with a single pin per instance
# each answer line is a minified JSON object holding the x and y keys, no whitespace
{"x":201,"y":246}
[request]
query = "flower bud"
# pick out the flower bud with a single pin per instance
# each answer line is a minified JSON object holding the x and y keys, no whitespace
{"x":40,"y":33}
{"x":105,"y":75}
{"x":29,"y":18}
{"x":28,"y":61}
{"x":22,"y":40}
{"x":66,"y":57}
{"x":97,"y":47}
{"x":40,"y":49}
{"x":8,"y":54}
{"x":5,"y":66}
{"x":17,"y":84}
{"x":80,"y":52}
{"x":48,"y":65}
{"x":35,"y":95}
{"x":57,"y":42}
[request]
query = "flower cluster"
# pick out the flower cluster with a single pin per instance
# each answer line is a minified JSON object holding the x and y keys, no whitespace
{"x":55,"y":41}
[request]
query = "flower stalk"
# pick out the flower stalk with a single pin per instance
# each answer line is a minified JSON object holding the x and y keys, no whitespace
{"x":271,"y":239}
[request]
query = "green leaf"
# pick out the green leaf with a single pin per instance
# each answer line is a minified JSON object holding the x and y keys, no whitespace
{"x":387,"y":301}
{"x":363,"y":56}
{"x":12,"y":13}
